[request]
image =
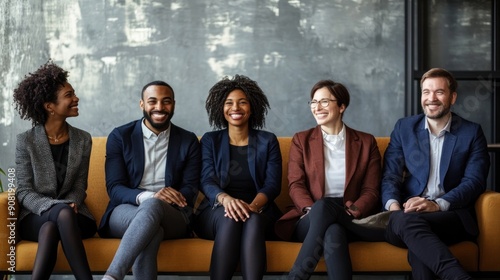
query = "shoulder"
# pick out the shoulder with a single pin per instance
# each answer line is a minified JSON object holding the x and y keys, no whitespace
{"x":461,"y":125}
{"x":126,"y":128}
{"x":80,"y":133}
{"x":213,"y":135}
{"x":363,"y":136}
{"x":29,"y":135}
{"x":176,"y":130}
{"x":265,"y":135}
{"x":308,"y":133}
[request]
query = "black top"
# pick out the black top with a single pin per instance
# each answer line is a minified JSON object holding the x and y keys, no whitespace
{"x":241,"y":184}
{"x":60,"y":156}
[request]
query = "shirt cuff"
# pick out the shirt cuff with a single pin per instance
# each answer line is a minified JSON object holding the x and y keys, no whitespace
{"x":143,"y":196}
{"x":443,"y":204}
{"x":389,"y":202}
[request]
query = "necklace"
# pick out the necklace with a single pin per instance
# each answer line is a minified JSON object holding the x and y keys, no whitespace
{"x":56,"y":139}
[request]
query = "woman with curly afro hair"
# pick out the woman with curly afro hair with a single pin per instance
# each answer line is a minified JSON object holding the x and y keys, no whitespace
{"x":241,"y":177}
{"x":52,"y":163}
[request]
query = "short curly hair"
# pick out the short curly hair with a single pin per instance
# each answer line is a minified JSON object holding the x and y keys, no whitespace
{"x":219,"y":92}
{"x":38,"y":88}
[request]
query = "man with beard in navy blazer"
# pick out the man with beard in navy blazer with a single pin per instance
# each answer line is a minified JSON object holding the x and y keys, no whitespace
{"x":152,"y":178}
{"x":435,"y":167}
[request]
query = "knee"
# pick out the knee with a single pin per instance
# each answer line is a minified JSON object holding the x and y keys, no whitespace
{"x":323,"y":211}
{"x":49,"y":229}
{"x":152,"y":206}
{"x":399,"y":221}
{"x":64,"y":214}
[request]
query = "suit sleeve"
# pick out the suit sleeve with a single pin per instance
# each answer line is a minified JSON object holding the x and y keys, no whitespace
{"x":298,"y":188}
{"x":117,"y":177}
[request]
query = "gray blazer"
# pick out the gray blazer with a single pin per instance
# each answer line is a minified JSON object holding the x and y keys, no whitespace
{"x":36,"y":174}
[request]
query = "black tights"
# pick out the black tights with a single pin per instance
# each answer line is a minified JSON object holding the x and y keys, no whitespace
{"x":58,"y":223}
{"x":235,"y":242}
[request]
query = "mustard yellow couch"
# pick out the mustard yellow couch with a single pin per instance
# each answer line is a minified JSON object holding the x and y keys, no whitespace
{"x":185,"y":256}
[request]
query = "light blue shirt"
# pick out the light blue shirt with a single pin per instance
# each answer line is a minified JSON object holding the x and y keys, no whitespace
{"x":155,"y":162}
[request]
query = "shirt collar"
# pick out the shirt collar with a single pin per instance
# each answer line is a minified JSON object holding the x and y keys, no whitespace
{"x":446,"y":128}
{"x":148,"y":134}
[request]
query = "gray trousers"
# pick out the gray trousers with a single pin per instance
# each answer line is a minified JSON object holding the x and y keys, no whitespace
{"x":142,"y":228}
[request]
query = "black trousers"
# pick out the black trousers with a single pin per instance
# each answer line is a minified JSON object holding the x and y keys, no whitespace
{"x":327,"y":230}
{"x":427,"y":236}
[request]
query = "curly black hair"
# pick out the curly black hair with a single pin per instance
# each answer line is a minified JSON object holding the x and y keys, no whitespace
{"x":38,"y":88}
{"x":217,"y":96}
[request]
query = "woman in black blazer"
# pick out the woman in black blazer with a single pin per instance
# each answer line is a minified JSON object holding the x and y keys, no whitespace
{"x":52,"y":163}
{"x":240,"y":177}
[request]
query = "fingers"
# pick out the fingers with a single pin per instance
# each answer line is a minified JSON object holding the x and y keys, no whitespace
{"x":75,"y":208}
{"x":419,"y":204}
{"x":171,"y":196}
{"x":237,"y":209}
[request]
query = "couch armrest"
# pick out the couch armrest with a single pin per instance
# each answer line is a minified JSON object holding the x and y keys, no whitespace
{"x":8,"y":231}
{"x":488,"y":212}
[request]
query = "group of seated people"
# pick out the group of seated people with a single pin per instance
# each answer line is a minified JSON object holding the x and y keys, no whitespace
{"x":434,"y":169}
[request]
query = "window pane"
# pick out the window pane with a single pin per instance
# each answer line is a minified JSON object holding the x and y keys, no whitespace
{"x":474,"y":103}
{"x":458,"y":34}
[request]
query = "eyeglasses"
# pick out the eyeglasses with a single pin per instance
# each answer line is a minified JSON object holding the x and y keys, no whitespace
{"x":323,"y":102}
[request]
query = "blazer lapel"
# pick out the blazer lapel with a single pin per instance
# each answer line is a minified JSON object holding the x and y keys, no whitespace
{"x":174,"y":144}
{"x":75,"y":154}
{"x":138,"y":152}
{"x":252,"y":154}
{"x":423,"y":163}
{"x":224,"y":151}
{"x":319,"y":161}
{"x":44,"y":154}
{"x":448,"y":145}
{"x":353,"y":146}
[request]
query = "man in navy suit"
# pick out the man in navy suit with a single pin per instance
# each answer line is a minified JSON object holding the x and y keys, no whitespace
{"x":152,"y":179}
{"x":435,"y":167}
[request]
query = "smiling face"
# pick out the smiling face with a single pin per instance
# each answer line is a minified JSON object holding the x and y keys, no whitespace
{"x":330,"y":116}
{"x":66,"y":104}
{"x":436,"y":98}
{"x":237,"y":108}
{"x":158,"y":106}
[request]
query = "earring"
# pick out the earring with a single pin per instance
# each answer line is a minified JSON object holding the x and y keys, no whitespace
{"x":52,"y":113}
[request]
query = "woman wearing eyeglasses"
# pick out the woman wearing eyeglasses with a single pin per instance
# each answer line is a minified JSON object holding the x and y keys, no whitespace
{"x":333,"y":175}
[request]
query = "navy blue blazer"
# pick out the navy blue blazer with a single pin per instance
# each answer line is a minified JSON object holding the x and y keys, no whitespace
{"x":464,"y":163}
{"x":264,"y":161}
{"x":125,"y":165}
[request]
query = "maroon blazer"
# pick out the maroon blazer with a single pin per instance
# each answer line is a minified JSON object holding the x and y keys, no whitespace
{"x":306,"y":175}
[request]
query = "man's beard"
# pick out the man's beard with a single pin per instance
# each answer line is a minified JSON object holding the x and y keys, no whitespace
{"x":160,"y":126}
{"x":439,"y":114}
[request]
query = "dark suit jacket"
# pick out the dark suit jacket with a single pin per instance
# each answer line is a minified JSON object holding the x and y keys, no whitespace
{"x":36,"y":173}
{"x":125,"y":165}
{"x":463,"y":169}
{"x":264,"y":161}
{"x":306,"y":175}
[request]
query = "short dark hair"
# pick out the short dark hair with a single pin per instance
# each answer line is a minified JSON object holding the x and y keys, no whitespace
{"x":217,"y":96}
{"x":441,"y":73}
{"x":338,"y":90}
{"x":157,"y":83}
{"x":36,"y":89}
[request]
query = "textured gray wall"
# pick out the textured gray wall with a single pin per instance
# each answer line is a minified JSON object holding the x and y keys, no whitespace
{"x":113,"y":47}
